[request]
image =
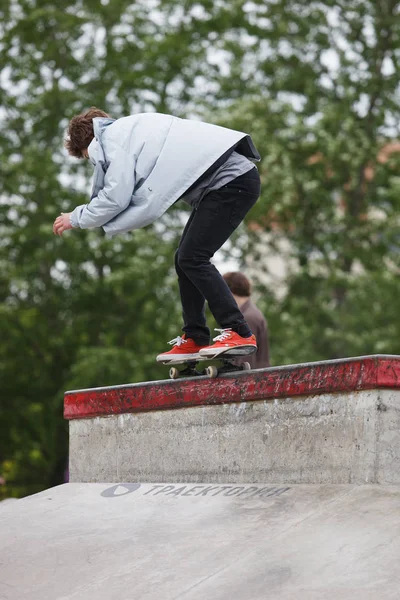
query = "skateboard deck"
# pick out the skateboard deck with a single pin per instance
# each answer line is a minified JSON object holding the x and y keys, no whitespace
{"x":190,"y":368}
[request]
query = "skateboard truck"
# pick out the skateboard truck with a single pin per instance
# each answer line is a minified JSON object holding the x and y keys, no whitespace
{"x":210,"y":371}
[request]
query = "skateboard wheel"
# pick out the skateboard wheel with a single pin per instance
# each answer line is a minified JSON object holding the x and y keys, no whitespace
{"x":211,"y":372}
{"x":173,"y":373}
{"x":246,"y":366}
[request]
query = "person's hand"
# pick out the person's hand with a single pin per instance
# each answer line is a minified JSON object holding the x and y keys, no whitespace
{"x":62,"y":223}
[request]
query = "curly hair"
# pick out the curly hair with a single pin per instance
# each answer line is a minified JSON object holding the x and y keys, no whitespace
{"x":238,"y":283}
{"x":80,"y":131}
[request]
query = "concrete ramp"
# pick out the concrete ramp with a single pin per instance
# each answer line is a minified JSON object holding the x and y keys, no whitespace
{"x":135,"y":541}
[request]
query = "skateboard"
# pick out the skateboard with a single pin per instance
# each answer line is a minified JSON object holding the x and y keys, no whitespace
{"x":191,"y":369}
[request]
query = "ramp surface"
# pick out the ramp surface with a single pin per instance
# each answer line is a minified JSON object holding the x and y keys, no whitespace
{"x":202,"y":542}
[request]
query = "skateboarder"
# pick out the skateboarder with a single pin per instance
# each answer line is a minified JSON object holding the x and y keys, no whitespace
{"x":143,"y":164}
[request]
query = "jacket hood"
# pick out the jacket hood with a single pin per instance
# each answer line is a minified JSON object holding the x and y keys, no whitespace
{"x":95,"y":149}
{"x":100,"y":124}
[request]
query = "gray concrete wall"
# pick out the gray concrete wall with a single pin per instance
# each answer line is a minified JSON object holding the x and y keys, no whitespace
{"x":330,"y":438}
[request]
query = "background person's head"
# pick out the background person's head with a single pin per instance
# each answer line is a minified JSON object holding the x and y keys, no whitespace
{"x":238,"y":284}
{"x":80,"y":132}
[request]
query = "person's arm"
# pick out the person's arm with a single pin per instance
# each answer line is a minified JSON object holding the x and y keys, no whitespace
{"x":113,"y":198}
{"x":139,"y":213}
{"x":263,"y":345}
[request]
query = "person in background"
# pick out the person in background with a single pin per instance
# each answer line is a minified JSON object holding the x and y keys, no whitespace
{"x":240,"y":287}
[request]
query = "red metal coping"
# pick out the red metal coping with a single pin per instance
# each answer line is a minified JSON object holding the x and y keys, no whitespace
{"x":344,"y":375}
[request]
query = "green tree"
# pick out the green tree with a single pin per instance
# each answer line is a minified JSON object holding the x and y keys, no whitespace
{"x":83,"y":310}
{"x":315,"y":83}
{"x":326,"y":125}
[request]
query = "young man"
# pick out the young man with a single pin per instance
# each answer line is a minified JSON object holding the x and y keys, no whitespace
{"x":240,"y":287}
{"x":143,"y":164}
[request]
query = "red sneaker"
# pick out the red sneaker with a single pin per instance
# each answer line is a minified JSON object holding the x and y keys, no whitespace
{"x":230,"y":342}
{"x":184,"y":349}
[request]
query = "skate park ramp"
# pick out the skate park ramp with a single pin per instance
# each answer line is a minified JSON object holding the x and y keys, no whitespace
{"x":94,"y":541}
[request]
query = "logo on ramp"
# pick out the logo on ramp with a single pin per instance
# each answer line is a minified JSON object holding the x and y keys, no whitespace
{"x":121,"y":489}
{"x":237,"y":491}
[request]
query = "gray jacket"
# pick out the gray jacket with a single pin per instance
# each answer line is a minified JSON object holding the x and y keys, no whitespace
{"x":145,"y":162}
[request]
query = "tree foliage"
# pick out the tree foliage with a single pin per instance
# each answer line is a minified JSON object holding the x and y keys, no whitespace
{"x":314,"y":83}
{"x":327,"y":128}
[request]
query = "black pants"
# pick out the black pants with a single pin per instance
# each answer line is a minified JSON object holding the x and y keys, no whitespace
{"x":209,"y":226}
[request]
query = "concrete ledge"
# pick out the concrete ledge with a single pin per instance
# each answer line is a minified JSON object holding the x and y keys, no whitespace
{"x":274,"y":425}
{"x":345,"y":375}
{"x":331,"y":438}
